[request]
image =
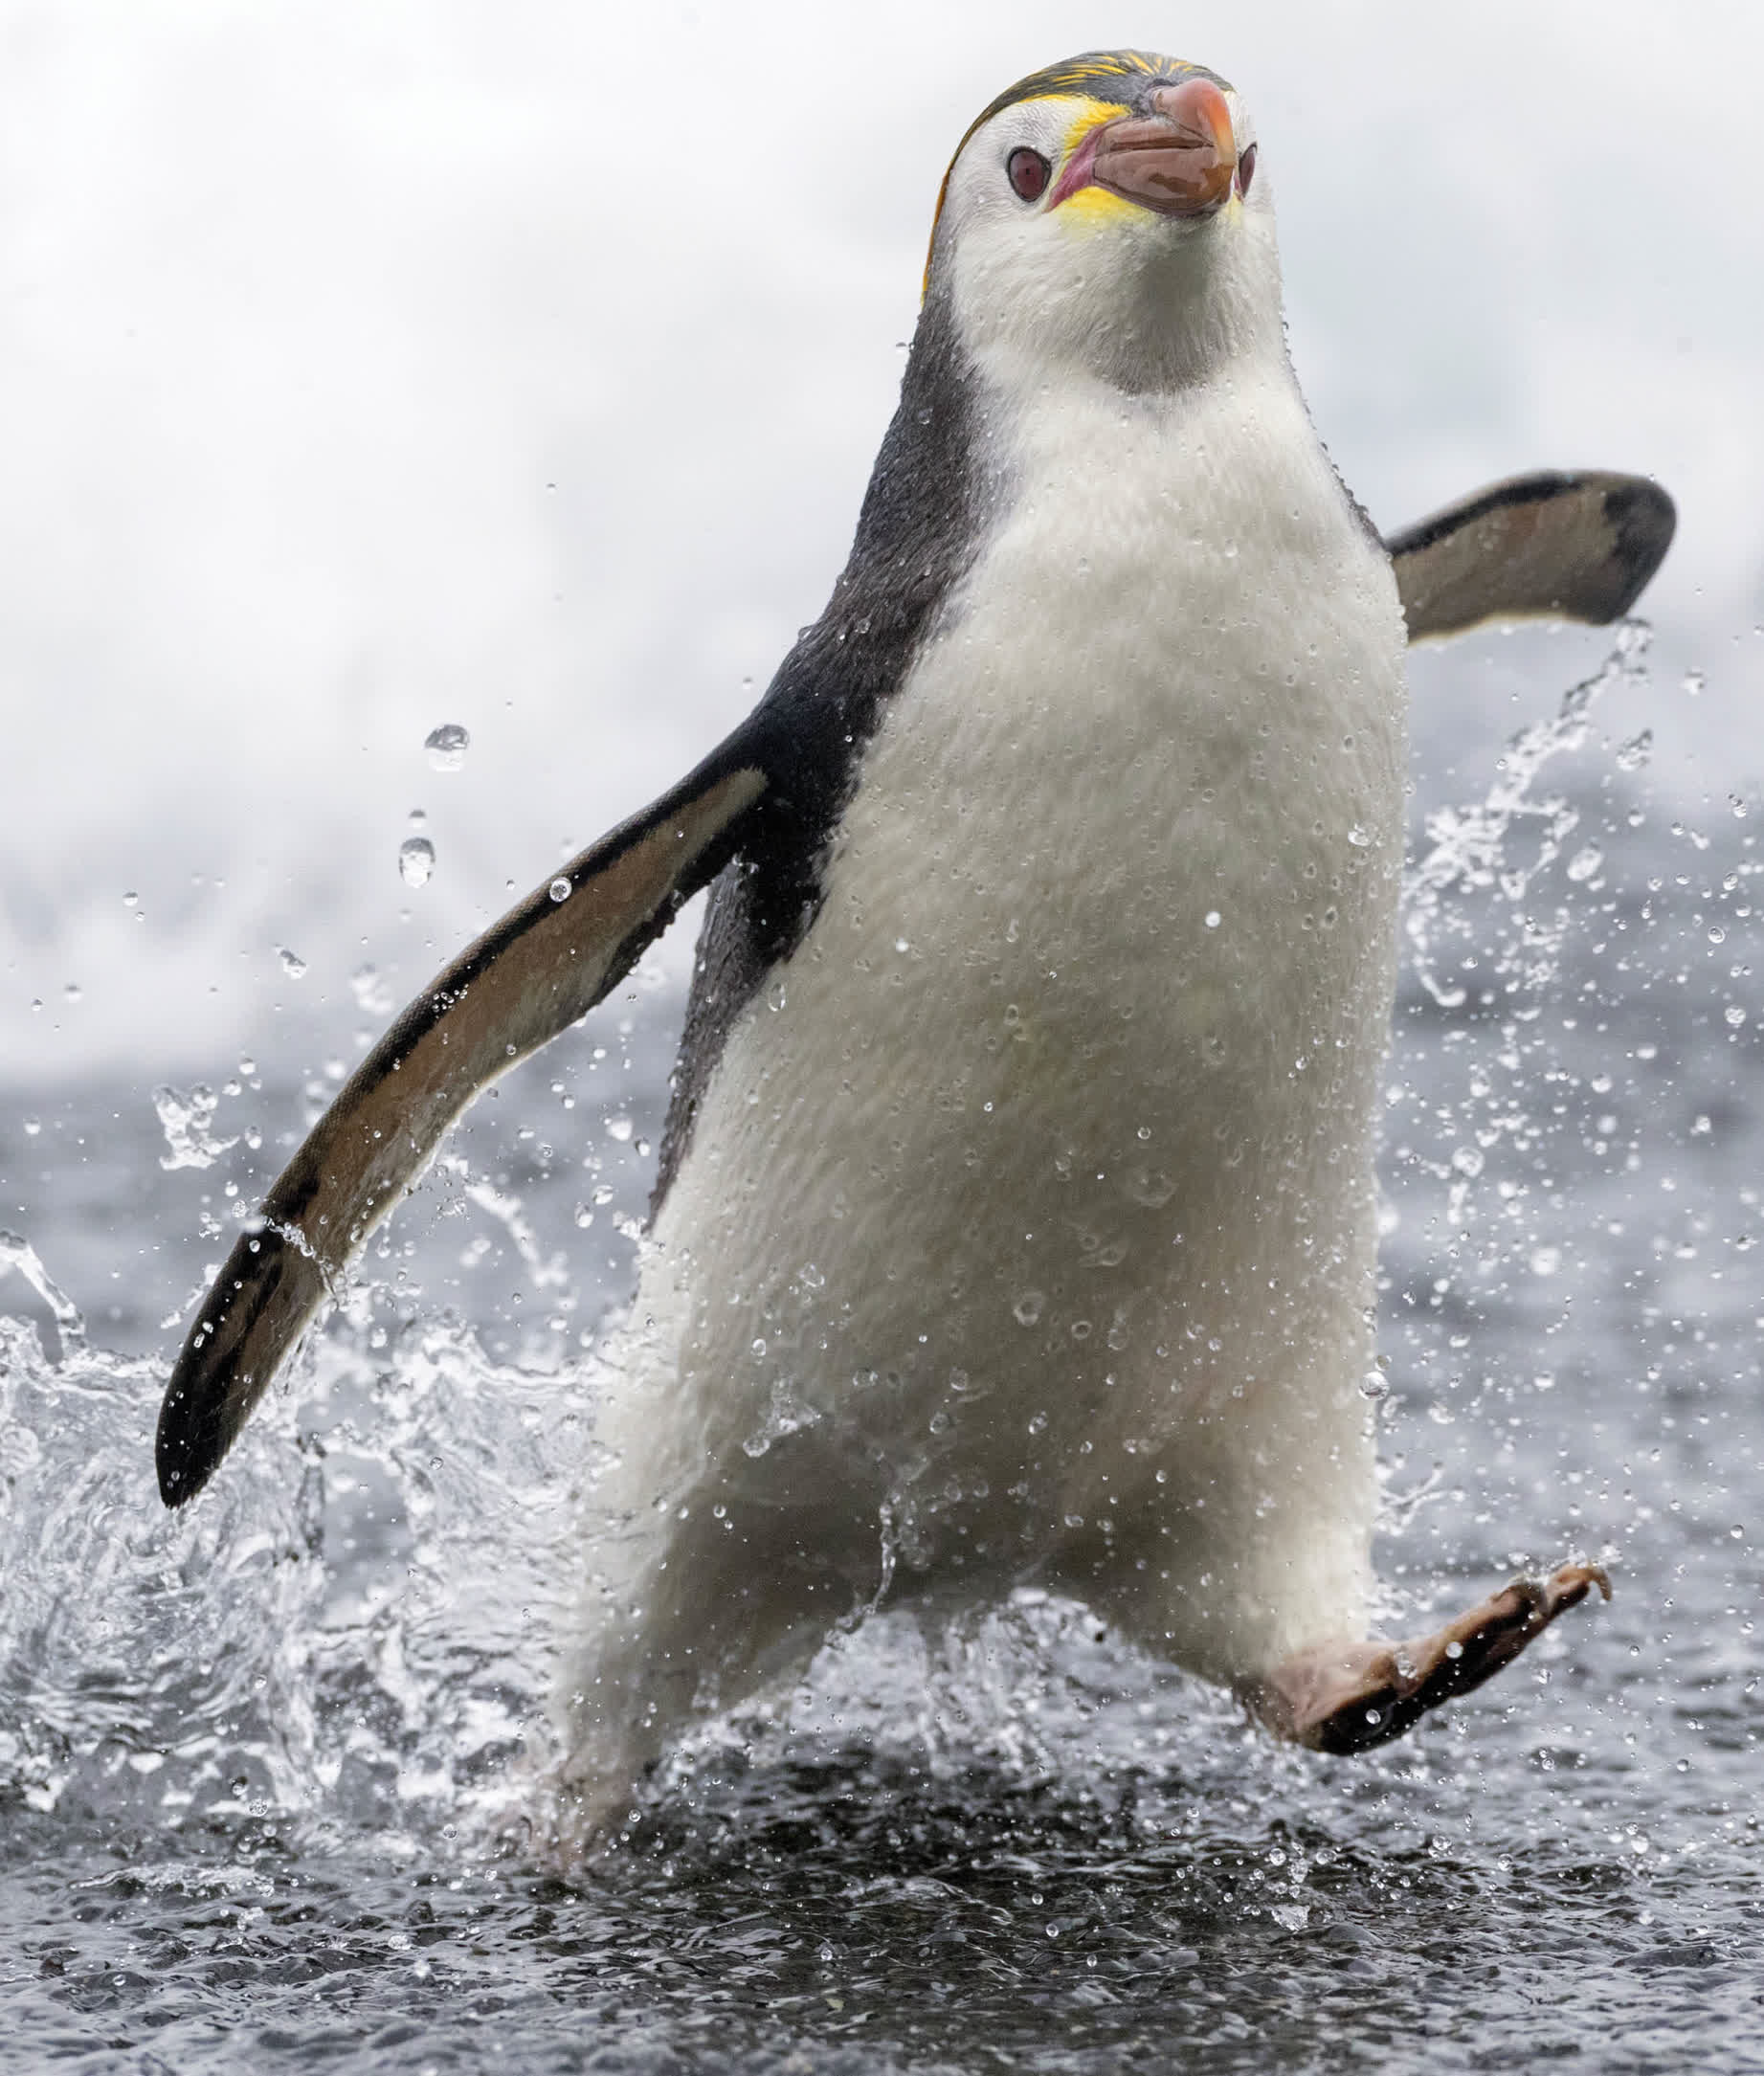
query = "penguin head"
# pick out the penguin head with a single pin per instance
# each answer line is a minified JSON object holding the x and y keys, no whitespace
{"x":1109,"y":215}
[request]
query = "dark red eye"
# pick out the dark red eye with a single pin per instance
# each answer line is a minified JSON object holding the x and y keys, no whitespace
{"x":1246,"y":168}
{"x":1027,"y":172}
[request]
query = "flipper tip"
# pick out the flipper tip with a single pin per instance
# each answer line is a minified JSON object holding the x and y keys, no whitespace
{"x":1642,"y":519}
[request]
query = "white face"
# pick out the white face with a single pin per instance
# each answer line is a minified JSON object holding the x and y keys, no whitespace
{"x":1078,"y":235}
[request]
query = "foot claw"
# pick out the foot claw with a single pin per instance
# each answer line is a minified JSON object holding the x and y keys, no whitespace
{"x":1346,"y":1698}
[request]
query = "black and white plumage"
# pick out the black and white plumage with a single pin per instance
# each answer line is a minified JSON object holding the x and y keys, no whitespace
{"x":1016,"y":1212}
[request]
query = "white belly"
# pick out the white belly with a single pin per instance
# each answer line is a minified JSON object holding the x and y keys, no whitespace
{"x":1028,"y":1223}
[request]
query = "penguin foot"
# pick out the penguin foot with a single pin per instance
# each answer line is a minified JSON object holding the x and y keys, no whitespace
{"x":1348,"y":1697}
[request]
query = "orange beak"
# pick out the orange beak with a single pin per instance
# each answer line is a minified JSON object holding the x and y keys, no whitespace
{"x":1180,"y":161}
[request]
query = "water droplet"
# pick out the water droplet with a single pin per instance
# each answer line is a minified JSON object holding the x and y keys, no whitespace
{"x":292,"y":964}
{"x":1037,"y":1426}
{"x":1213,"y":919}
{"x":1735,"y":1015}
{"x":1634,"y":753}
{"x":32,"y":1125}
{"x":415,"y":860}
{"x":620,"y":1129}
{"x":447,"y":746}
{"x":1585,"y":863}
{"x":1360,"y":838}
{"x":372,"y":998}
{"x":1028,"y":1308}
{"x":584,"y":1217}
{"x":774,"y":997}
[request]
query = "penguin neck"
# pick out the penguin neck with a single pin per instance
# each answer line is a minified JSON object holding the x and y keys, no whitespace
{"x":1141,"y":319}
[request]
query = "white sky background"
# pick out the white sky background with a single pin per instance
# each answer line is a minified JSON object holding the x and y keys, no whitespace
{"x":365,"y":367}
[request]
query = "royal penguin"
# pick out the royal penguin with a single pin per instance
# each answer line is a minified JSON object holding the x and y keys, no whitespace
{"x":1016,"y":1212}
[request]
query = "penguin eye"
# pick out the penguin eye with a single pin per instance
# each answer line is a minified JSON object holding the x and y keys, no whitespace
{"x":1246,"y":168}
{"x":1027,"y":172}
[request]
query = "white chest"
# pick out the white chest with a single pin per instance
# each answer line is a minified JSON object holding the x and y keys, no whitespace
{"x":1077,"y":1061}
{"x":1149,"y":775}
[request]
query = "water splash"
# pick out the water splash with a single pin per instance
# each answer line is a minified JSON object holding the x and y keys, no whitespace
{"x":547,"y":1271}
{"x":1473,"y":849}
{"x":351,"y":1627}
{"x":18,"y":1256}
{"x":146,"y":1661}
{"x":185,"y":1117}
{"x":786,"y":1415}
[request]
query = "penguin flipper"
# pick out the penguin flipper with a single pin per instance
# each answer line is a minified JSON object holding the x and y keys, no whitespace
{"x":1571,"y":547}
{"x":529,"y":977}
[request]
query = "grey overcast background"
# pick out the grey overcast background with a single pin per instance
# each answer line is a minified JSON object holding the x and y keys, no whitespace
{"x":364,"y":368}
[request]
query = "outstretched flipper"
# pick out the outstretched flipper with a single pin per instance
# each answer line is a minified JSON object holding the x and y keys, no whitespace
{"x":1348,"y":1697}
{"x":1579,"y":547}
{"x":531,"y":976}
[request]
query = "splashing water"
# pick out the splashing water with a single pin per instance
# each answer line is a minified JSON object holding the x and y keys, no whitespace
{"x":184,"y":1119}
{"x":547,"y":1271}
{"x":281,"y":1647}
{"x":1472,"y":849}
{"x":18,"y":1256}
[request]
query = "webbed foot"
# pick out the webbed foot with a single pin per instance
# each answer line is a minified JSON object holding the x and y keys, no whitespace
{"x":1348,"y":1697}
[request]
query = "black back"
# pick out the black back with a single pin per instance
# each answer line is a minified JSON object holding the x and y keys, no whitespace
{"x":918,"y":531}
